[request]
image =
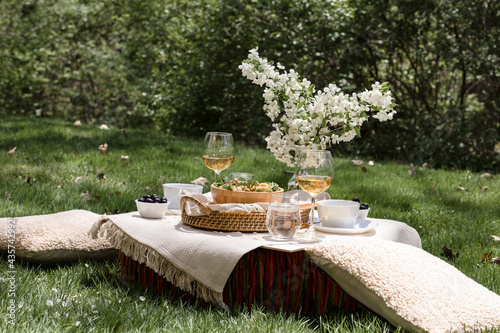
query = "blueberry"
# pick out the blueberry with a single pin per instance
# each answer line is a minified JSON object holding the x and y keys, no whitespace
{"x":142,"y":200}
{"x":149,"y":200}
{"x":147,"y":196}
{"x":355,"y":199}
{"x":163,"y":201}
{"x":364,"y":206}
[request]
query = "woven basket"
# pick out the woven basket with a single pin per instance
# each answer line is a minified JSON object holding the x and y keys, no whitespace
{"x":225,"y":221}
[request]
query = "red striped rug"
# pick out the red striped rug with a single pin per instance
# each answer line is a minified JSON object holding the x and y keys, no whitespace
{"x":265,"y":278}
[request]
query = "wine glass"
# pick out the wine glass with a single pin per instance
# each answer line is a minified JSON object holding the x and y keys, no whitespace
{"x":219,"y":152}
{"x":314,"y":175}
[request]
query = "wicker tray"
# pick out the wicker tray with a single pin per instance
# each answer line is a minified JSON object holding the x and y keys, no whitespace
{"x":224,"y":221}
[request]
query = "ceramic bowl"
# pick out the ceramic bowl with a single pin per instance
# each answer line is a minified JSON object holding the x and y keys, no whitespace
{"x":363,"y":214}
{"x":338,"y":213}
{"x":222,"y":196}
{"x":152,"y":210}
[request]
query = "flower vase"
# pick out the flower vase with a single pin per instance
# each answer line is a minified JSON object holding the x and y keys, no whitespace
{"x":292,"y":183}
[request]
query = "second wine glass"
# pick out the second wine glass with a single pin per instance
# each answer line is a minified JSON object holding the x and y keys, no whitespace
{"x":219,"y":152}
{"x":314,"y":175}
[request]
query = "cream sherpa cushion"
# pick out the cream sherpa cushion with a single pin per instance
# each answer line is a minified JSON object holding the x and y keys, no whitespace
{"x":408,"y":286}
{"x":58,"y":237}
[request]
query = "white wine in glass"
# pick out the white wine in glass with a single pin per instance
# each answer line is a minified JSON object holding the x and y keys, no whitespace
{"x":314,"y":185}
{"x":219,"y":152}
{"x":314,"y":175}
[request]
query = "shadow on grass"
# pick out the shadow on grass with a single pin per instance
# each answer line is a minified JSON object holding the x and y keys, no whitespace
{"x":40,"y":134}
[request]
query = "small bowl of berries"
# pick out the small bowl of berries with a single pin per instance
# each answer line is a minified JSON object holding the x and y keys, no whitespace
{"x":364,"y":208}
{"x":152,"y":206}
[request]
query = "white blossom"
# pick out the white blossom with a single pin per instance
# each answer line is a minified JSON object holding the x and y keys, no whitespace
{"x":304,"y":118}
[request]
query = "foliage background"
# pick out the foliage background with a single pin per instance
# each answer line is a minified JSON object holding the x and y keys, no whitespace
{"x":173,"y":64}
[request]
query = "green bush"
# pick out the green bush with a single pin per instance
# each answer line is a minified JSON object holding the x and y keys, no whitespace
{"x":174,"y":65}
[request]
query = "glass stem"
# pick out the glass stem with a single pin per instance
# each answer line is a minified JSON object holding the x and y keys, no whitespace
{"x":217,"y":176}
{"x":311,"y":218}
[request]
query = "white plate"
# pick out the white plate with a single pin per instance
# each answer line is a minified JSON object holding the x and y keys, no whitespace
{"x":360,"y":227}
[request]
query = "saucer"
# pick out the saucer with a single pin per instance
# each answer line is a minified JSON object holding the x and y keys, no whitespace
{"x":360,"y":227}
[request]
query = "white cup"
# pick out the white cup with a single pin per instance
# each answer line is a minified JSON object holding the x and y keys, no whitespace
{"x":172,"y":192}
{"x":338,"y":213}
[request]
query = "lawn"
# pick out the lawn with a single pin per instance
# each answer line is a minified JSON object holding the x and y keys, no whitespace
{"x":58,"y":166}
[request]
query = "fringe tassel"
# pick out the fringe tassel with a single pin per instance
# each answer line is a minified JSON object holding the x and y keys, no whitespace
{"x":143,"y":254}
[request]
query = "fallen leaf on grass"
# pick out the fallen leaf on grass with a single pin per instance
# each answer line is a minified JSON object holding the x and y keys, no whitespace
{"x":357,"y":162}
{"x":77,"y":179}
{"x":60,"y":186}
{"x":486,"y":176}
{"x":7,"y":195}
{"x":363,"y":168}
{"x":496,"y":238}
{"x":104,"y":127}
{"x":104,"y":149}
{"x":149,"y":188}
{"x":101,"y":175}
{"x":486,"y":256}
{"x":485,"y":188}
{"x":77,"y":123}
{"x":495,"y":260}
{"x":125,"y":157}
{"x":411,"y":172}
{"x":30,"y":180}
{"x":200,"y":181}
{"x":448,"y":253}
{"x":426,"y":165}
{"x":461,"y":188}
{"x":370,"y":163}
{"x":92,"y":196}
{"x":12,"y":151}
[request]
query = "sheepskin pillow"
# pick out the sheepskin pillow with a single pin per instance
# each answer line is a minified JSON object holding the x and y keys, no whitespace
{"x":408,"y":286}
{"x":59,"y":237}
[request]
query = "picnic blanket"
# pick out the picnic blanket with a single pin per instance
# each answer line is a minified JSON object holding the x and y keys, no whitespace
{"x":401,"y":282}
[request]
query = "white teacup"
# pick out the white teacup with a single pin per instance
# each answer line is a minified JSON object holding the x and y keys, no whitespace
{"x":338,"y":213}
{"x":172,"y":192}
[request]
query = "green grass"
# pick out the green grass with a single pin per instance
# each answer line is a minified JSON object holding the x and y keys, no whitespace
{"x":41,"y":178}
